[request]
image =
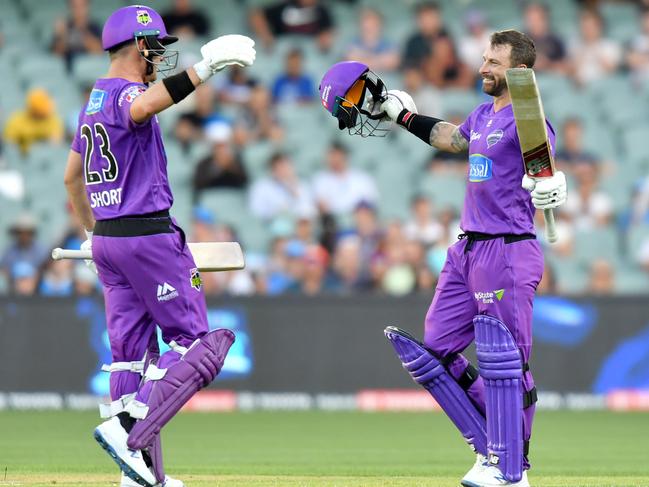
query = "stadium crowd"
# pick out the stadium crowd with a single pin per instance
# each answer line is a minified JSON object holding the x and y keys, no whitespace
{"x":324,"y":226}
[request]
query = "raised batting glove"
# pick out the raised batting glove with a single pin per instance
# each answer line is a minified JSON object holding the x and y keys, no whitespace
{"x":547,"y":193}
{"x":225,"y":51}
{"x":87,"y":245}
{"x":398,"y":101}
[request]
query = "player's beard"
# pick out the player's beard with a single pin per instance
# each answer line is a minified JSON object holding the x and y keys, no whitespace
{"x":496,"y":88}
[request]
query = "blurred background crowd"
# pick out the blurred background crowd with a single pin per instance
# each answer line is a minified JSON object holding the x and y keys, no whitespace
{"x":253,"y":156}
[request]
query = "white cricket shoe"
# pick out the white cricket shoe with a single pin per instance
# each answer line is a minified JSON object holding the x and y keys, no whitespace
{"x":112,"y":438}
{"x":169,"y":482}
{"x":470,"y":479}
{"x":491,"y":476}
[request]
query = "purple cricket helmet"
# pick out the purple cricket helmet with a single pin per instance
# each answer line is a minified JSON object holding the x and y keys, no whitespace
{"x":343,"y":91}
{"x":141,"y":22}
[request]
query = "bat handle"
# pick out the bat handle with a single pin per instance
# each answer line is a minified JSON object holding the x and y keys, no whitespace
{"x":58,"y":254}
{"x":550,"y":226}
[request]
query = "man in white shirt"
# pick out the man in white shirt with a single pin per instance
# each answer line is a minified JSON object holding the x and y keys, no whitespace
{"x":339,"y":188}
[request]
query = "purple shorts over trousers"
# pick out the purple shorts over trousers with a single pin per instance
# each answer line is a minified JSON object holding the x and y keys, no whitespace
{"x":489,"y":277}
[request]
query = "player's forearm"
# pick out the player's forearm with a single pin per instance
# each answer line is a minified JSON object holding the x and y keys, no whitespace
{"x":77,"y":194}
{"x":447,"y":137}
{"x":162,"y":95}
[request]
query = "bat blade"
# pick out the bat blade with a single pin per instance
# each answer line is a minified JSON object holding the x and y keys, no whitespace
{"x":532,"y":132}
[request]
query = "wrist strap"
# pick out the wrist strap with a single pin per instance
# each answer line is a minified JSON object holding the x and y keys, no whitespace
{"x":419,"y":125}
{"x":179,"y":86}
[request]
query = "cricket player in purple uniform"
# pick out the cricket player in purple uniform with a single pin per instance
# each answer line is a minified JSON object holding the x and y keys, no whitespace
{"x":116,"y":179}
{"x":486,"y":288}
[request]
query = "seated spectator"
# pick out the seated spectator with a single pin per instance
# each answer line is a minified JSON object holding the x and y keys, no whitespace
{"x":24,"y":279}
{"x":223,"y":168}
{"x":316,"y":278}
{"x":586,"y":206}
{"x":58,"y":279}
{"x":76,"y":34}
{"x":592,"y":56}
{"x":601,"y":278}
{"x":340,"y":188}
{"x":430,"y":29}
{"x":257,"y":120}
{"x":637,"y":57}
{"x":23,"y":250}
{"x":293,"y":86}
{"x":347,"y":277}
{"x":572,"y":152}
{"x":550,"y":48}
{"x":371,"y":47}
{"x":281,"y":193}
{"x":303,"y":17}
{"x":37,"y":123}
{"x":186,"y":21}
{"x":444,"y":69}
{"x":427,"y":98}
{"x":471,"y":47}
{"x":86,"y":281}
{"x":422,"y":226}
{"x":370,"y":239}
{"x":236,"y":87}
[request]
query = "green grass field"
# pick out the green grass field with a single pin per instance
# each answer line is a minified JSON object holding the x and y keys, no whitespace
{"x":304,"y":449}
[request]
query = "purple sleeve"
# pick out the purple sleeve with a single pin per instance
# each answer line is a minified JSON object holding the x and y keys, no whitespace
{"x":126,"y":96}
{"x":465,"y":127}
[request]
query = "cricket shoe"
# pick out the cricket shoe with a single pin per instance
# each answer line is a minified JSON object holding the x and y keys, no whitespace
{"x":168,"y":482}
{"x":470,"y":479}
{"x":112,"y":438}
{"x":491,"y":476}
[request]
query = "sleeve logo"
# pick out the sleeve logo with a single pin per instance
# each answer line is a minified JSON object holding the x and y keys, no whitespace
{"x":130,"y":94}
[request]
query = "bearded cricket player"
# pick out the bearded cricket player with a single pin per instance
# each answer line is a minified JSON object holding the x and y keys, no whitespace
{"x":116,"y":178}
{"x":486,"y":288}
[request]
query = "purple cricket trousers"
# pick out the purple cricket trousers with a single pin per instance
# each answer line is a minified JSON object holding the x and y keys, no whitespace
{"x":485,"y":277}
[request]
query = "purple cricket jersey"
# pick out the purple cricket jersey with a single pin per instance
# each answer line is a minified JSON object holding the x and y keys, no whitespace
{"x":125,"y":165}
{"x":495,"y":202}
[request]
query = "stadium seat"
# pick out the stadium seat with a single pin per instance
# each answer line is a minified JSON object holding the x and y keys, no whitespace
{"x":596,"y":243}
{"x":88,"y":67}
{"x":444,"y":190}
{"x":227,"y":205}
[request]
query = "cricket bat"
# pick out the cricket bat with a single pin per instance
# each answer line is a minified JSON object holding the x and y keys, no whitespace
{"x":209,"y":256}
{"x":532,"y":132}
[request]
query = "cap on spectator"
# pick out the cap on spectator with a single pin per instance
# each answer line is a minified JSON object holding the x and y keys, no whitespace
{"x":39,"y":102}
{"x":365,"y":205}
{"x":24,"y":223}
{"x":23,"y":269}
{"x":295,"y":248}
{"x":203,"y":215}
{"x":218,"y":132}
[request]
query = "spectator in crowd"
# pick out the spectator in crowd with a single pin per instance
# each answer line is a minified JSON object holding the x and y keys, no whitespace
{"x":24,"y":278}
{"x":371,"y":47}
{"x":550,"y":48}
{"x":236,"y":88}
{"x":601,"y":277}
{"x":637,"y":57}
{"x":430,"y":28}
{"x":85,"y":280}
{"x":37,"y":123}
{"x":12,"y":183}
{"x":24,"y":250}
{"x":471,"y":46}
{"x":444,"y":69}
{"x":257,"y":120}
{"x":347,"y":277}
{"x":392,"y":270}
{"x":592,"y":56}
{"x":58,"y":278}
{"x":293,"y":85}
{"x":76,"y":34}
{"x":572,"y":153}
{"x":304,"y":17}
{"x":340,"y":188}
{"x":422,"y":226}
{"x":223,"y":168}
{"x":185,"y":21}
{"x":370,"y":236}
{"x":427,"y":98}
{"x":316,"y":278}
{"x":281,"y":193}
{"x":588,"y":207}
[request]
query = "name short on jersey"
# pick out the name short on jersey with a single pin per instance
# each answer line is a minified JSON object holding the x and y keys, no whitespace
{"x":106,"y":198}
{"x":480,"y":168}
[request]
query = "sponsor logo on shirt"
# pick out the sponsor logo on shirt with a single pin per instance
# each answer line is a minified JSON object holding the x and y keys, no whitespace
{"x":96,"y":101}
{"x":494,"y":137}
{"x":474,"y":136}
{"x":143,"y":17}
{"x":479,"y":168}
{"x":487,"y":297}
{"x":195,"y":279}
{"x":166,"y":292}
{"x":130,"y":94}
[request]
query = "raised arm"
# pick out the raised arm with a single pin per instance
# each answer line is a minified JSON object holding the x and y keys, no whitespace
{"x":401,"y":109}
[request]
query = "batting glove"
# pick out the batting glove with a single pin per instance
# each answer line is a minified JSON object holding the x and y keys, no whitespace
{"x":547,"y":193}
{"x":396,"y":102}
{"x":87,"y":245}
{"x":225,"y":51}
